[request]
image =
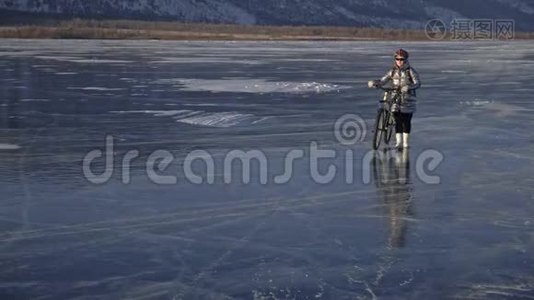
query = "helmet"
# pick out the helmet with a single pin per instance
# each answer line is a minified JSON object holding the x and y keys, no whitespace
{"x":402,"y":53}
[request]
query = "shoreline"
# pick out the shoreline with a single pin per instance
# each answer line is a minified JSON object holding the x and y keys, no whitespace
{"x":31,"y":32}
{"x":144,"y":30}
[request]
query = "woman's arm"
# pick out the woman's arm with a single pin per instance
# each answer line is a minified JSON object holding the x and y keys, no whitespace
{"x":416,"y":82}
{"x":386,"y":78}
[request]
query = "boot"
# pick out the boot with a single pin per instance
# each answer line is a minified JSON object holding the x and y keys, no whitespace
{"x":405,"y":138}
{"x":398,"y":138}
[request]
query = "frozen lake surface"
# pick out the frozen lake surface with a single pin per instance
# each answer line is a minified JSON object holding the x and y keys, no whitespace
{"x":388,"y":233}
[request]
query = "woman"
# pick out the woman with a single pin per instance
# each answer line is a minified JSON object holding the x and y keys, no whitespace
{"x":406,"y":79}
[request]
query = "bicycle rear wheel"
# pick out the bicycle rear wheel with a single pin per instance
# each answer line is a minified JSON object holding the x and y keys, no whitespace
{"x":379,"y":128}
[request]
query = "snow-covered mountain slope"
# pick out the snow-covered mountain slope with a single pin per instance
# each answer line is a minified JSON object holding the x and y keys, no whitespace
{"x":381,"y":13}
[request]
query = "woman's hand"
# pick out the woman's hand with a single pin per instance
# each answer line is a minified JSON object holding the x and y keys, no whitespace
{"x":373,"y":83}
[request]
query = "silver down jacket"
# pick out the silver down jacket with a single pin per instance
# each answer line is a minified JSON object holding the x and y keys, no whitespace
{"x":405,"y":76}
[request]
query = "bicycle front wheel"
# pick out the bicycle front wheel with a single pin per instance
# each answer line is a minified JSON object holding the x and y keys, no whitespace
{"x":379,"y":128}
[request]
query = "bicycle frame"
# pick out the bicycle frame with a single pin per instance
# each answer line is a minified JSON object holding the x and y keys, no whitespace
{"x":384,"y":123}
{"x":390,"y":100}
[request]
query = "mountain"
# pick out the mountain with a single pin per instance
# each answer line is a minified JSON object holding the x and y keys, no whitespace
{"x":375,"y":13}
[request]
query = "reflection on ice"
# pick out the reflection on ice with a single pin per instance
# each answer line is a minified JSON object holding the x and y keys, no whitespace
{"x":392,"y":178}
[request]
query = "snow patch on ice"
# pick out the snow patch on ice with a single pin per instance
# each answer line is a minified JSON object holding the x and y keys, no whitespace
{"x":95,"y":88}
{"x":504,"y":110}
{"x":453,"y":71}
{"x":99,"y":61}
{"x":498,"y":108}
{"x":305,"y":59}
{"x":252,"y":86}
{"x":85,"y":60}
{"x":204,"y":60}
{"x":182,"y":113}
{"x":262,"y":119}
{"x":34,"y":100}
{"x":219,"y":119}
{"x":200,"y":104}
{"x":202,"y":118}
{"x":9,"y":147}
{"x":58,"y":57}
{"x":476,"y":102}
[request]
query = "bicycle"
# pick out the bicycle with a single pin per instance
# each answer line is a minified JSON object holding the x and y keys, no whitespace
{"x":385,"y":122}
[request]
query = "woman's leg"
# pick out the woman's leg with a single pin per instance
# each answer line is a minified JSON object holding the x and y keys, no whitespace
{"x":399,"y":124}
{"x":398,"y":128}
{"x":407,"y":128}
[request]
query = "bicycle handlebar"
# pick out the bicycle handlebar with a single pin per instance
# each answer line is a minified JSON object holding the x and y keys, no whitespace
{"x":376,"y":84}
{"x":389,"y":89}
